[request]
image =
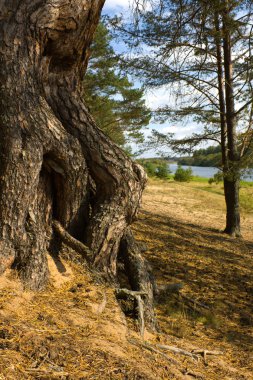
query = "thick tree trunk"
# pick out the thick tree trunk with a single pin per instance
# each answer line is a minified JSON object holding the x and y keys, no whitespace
{"x":51,"y":150}
{"x":232,"y":169}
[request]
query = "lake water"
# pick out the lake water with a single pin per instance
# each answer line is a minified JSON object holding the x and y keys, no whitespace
{"x":208,"y":172}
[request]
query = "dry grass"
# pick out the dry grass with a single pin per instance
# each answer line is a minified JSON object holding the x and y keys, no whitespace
{"x":181,"y":224}
{"x":60,"y":333}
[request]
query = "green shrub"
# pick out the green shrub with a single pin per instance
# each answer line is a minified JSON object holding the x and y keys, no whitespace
{"x":150,"y":169}
{"x":183,"y":175}
{"x":155,"y":167}
{"x":217,"y":178}
{"x":162,"y":170}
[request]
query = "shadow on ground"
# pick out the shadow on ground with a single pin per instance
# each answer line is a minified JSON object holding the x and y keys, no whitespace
{"x":215,"y":270}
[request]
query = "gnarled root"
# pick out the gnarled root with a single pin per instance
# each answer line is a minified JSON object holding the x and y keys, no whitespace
{"x":140,"y":279}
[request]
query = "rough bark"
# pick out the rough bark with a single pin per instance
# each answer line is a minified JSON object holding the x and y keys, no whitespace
{"x":222,"y":104}
{"x":51,"y":151}
{"x":232,"y":171}
{"x":228,"y":125}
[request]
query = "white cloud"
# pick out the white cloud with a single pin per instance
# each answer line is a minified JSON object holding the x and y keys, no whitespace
{"x":157,"y":98}
{"x":180,"y":131}
{"x":116,"y":5}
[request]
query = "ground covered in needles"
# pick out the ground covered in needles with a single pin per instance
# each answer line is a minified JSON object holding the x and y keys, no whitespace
{"x":75,"y":328}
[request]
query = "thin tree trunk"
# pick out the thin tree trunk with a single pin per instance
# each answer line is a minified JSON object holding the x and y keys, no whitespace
{"x":222,"y":104}
{"x":50,"y":146}
{"x":232,"y":175}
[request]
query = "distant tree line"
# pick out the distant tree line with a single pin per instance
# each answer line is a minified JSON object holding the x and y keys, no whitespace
{"x":210,"y":156}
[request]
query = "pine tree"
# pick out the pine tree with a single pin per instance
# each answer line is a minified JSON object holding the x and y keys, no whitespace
{"x":118,"y":108}
{"x":200,"y":51}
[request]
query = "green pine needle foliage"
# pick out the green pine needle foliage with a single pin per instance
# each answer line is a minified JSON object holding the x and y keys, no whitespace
{"x":118,"y":108}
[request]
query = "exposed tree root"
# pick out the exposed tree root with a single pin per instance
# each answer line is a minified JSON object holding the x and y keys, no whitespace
{"x":178,"y":351}
{"x":137,"y":296}
{"x":139,"y":275}
{"x":136,"y":265}
{"x":71,"y":241}
{"x":149,"y":347}
{"x":194,"y":354}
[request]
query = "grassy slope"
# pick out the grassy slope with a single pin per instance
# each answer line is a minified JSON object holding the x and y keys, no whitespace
{"x":246,"y":191}
{"x":181,"y":224}
{"x":64,"y":333}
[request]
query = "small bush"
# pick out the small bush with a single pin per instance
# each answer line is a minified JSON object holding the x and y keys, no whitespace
{"x":217,"y":178}
{"x":150,"y":169}
{"x":162,"y":170}
{"x":183,"y":175}
{"x":155,"y":168}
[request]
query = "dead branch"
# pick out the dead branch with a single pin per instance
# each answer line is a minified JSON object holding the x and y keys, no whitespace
{"x":204,"y":353}
{"x":177,"y":350}
{"x":207,"y":352}
{"x":149,"y":347}
{"x":192,"y":374}
{"x":193,"y":354}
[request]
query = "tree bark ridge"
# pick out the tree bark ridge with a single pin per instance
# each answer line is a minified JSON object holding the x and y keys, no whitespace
{"x":50,"y":147}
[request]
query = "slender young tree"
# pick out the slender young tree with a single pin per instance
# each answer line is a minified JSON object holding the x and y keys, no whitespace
{"x":201,"y":52}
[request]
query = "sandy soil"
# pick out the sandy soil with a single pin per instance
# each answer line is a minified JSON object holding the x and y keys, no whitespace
{"x":75,"y":329}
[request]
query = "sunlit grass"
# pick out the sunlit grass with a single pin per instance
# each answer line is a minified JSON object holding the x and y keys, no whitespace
{"x":201,"y":183}
{"x":186,"y":245}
